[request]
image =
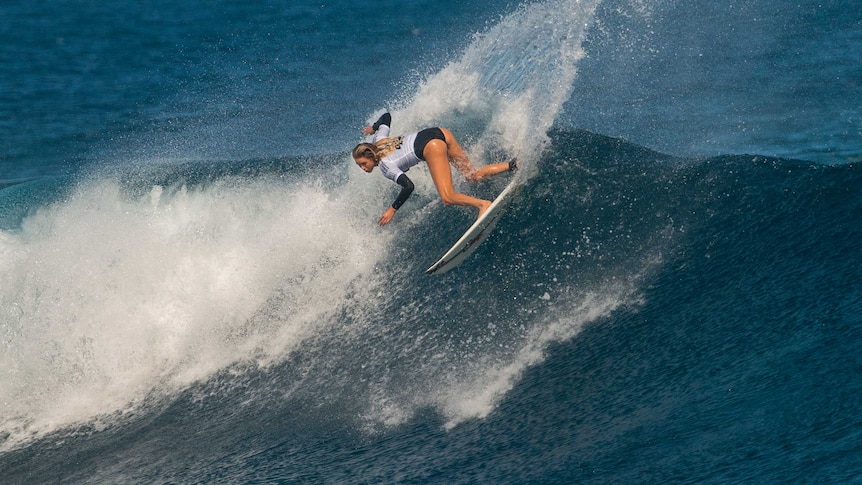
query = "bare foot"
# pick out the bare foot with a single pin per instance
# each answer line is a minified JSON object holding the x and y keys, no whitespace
{"x":485,"y":205}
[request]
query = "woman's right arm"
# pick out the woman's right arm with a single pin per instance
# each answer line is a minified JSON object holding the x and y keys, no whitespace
{"x":406,"y":189}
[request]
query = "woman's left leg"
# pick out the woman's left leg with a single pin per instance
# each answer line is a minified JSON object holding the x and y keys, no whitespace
{"x":462,"y":162}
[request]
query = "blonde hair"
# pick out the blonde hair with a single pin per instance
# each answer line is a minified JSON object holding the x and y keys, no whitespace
{"x":377,"y":150}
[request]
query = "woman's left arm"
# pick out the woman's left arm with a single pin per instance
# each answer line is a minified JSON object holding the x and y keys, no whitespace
{"x":385,"y":121}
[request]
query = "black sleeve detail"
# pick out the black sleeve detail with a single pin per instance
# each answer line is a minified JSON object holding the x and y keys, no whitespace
{"x":406,"y":189}
{"x":385,"y":119}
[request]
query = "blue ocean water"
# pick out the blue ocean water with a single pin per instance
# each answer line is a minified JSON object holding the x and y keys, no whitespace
{"x":193,"y":288}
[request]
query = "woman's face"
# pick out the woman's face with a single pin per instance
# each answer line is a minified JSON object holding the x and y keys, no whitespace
{"x":365,"y":163}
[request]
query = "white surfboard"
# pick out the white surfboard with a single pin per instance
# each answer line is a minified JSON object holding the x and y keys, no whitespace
{"x":474,"y":236}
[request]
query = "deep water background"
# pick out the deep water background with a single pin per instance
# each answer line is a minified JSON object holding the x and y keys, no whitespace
{"x":193,"y":290}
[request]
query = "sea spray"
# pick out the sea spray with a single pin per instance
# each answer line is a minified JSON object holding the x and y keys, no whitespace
{"x":508,"y":87}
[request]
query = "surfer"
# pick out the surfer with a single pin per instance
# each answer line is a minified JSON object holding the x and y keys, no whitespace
{"x":435,"y":146}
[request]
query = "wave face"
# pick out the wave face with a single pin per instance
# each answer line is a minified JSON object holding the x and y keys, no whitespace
{"x":205,"y":311}
{"x":626,"y":298}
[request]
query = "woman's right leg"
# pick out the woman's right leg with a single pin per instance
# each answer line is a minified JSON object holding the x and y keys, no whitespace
{"x":462,"y":162}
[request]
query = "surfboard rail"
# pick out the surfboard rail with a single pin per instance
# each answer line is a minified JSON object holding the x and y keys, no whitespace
{"x":474,"y":236}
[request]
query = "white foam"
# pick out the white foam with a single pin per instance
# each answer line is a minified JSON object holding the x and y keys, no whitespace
{"x":469,"y":382}
{"x":477,"y":396}
{"x":107,"y":298}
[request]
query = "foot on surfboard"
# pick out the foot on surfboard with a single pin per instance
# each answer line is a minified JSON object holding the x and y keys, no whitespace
{"x":513,"y":164}
{"x":485,"y":206}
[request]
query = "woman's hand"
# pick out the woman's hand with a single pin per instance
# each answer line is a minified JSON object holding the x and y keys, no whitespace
{"x":387,"y":216}
{"x":368,"y":130}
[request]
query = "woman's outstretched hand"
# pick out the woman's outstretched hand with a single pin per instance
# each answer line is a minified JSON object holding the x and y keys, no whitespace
{"x":387,"y":216}
{"x":368,"y":130}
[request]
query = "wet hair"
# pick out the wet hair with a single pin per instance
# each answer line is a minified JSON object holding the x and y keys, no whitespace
{"x":365,"y":150}
{"x":378,"y":150}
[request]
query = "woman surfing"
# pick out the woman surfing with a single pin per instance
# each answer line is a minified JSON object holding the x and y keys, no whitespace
{"x":435,"y":146}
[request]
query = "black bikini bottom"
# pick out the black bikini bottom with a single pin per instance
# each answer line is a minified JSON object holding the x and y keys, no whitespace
{"x":423,"y":137}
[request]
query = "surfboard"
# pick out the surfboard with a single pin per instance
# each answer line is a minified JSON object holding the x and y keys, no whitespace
{"x":474,"y":236}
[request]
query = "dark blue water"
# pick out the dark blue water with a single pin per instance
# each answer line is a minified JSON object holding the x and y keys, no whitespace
{"x":193,"y":289}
